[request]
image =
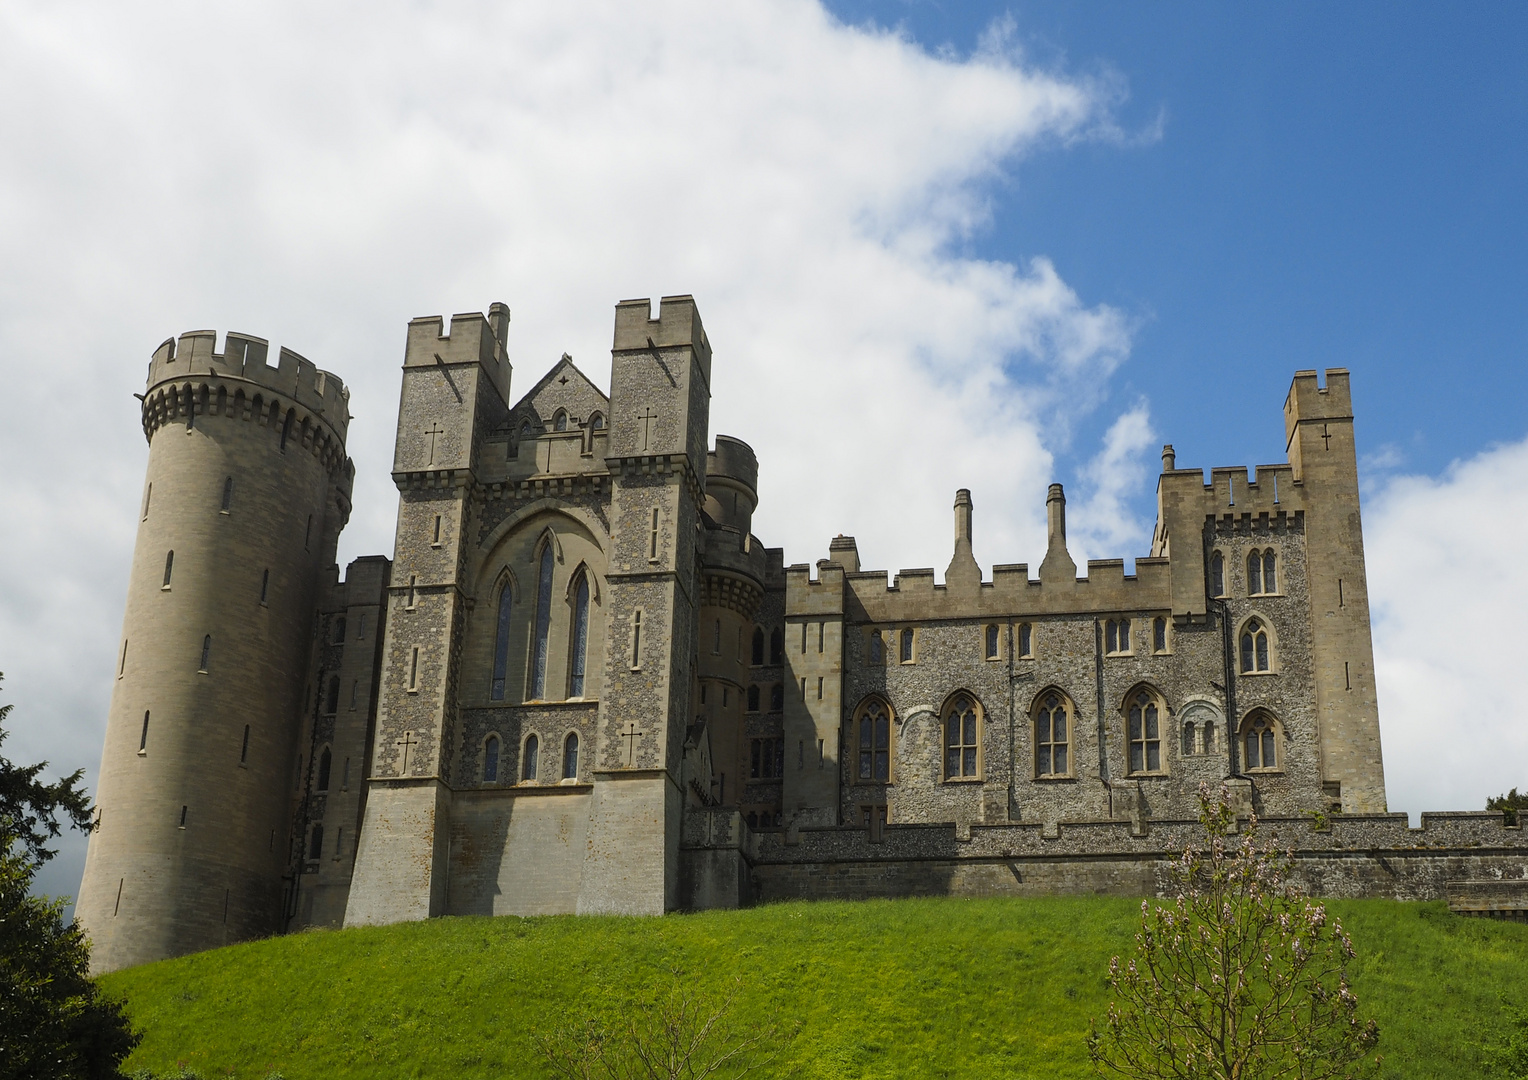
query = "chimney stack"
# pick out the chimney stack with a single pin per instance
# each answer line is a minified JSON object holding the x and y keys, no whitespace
{"x":1055,"y":519}
{"x":1058,"y":566}
{"x":1169,"y":459}
{"x":963,"y":570}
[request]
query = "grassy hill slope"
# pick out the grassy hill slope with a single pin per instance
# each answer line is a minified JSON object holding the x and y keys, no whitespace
{"x":914,"y":988}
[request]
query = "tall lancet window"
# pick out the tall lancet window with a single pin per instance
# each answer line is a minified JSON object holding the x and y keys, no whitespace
{"x":501,"y":641}
{"x":580,"y":650}
{"x":543,"y":623}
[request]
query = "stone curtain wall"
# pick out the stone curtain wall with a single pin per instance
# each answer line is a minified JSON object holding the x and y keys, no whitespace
{"x":1352,"y":857}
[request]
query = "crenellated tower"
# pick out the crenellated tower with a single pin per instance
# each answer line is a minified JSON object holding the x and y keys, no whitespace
{"x":660,"y":399}
{"x":247,"y":490}
{"x":455,"y":390}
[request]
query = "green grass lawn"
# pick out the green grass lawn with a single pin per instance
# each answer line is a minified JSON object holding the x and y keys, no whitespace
{"x":911,"y":988}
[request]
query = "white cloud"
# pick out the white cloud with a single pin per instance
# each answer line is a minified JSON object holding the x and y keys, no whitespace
{"x":318,"y":174}
{"x":1449,"y":584}
{"x":1102,"y":525}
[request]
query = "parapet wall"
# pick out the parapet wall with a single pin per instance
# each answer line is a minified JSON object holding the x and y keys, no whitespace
{"x":294,"y":377}
{"x":308,"y":407}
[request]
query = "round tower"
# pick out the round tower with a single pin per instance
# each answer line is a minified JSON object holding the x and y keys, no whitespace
{"x":732,"y":586}
{"x":248,"y":488}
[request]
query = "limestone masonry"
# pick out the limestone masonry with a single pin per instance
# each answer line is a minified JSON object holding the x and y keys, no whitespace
{"x":582,"y":684}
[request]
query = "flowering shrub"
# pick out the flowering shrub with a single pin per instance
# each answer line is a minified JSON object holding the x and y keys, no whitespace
{"x":1241,"y":977}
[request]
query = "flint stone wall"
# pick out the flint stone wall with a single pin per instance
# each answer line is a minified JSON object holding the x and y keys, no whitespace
{"x":1357,"y":856}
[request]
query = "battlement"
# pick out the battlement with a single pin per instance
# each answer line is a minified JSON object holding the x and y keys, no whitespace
{"x":735,"y":460}
{"x":677,"y":325}
{"x":473,"y":338}
{"x":1308,"y":400}
{"x":244,"y":357}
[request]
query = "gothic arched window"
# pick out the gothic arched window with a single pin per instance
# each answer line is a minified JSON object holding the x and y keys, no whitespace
{"x":960,"y":739}
{"x":874,"y":740}
{"x":1159,"y":634}
{"x":1144,"y":733}
{"x":560,"y":421}
{"x":992,"y":643}
{"x":776,"y":646}
{"x":332,"y":698}
{"x":753,"y":699}
{"x":325,"y":766}
{"x":501,"y":641}
{"x":579,"y":653}
{"x":528,"y":759}
{"x":596,"y":422}
{"x":1259,"y":745}
{"x":907,"y":646}
{"x":1026,"y":640}
{"x":1254,"y":647}
{"x":1052,"y":735}
{"x":758,"y":646}
{"x":877,"y":649}
{"x":491,"y":760}
{"x":570,"y":756}
{"x":777,"y":697}
{"x":543,"y":622}
{"x":1117,"y":640}
{"x":316,"y":848}
{"x":1217,"y":574}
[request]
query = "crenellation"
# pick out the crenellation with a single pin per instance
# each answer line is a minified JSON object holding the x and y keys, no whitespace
{"x":584,"y":684}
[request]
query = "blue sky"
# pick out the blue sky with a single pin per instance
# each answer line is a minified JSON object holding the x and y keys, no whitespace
{"x":1340,"y":185}
{"x":935,"y":246}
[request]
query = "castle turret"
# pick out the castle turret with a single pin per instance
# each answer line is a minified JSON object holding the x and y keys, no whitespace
{"x":248,"y":488}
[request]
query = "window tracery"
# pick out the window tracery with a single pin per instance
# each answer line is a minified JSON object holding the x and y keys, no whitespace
{"x":1052,"y":735}
{"x":1254,"y":648}
{"x":961,"y":725}
{"x":873,"y":739}
{"x":1259,"y":742}
{"x":1143,"y":732}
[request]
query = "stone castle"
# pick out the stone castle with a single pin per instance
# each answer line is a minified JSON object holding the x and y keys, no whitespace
{"x":582,"y":684}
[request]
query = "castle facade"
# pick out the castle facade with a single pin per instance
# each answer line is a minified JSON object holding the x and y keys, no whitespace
{"x":582,"y":683}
